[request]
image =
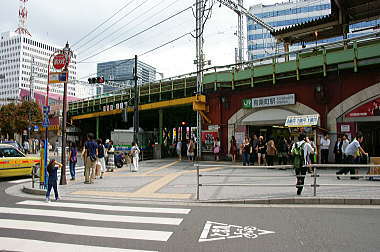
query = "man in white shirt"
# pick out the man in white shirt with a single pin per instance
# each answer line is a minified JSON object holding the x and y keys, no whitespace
{"x":344,"y":146}
{"x":350,"y":152}
{"x":325,"y":145}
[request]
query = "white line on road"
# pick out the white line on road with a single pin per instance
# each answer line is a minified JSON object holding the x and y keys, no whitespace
{"x":20,"y":181}
{"x":137,"y":234}
{"x":107,"y":207}
{"x":91,"y":216}
{"x":13,"y":244}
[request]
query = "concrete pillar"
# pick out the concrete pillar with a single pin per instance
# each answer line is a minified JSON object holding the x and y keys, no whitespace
{"x":160,"y":125}
{"x":97,"y":127}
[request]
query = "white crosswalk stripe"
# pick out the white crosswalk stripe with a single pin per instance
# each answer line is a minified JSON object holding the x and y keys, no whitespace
{"x":90,"y":216}
{"x":123,"y":233}
{"x":13,"y":244}
{"x":108,"y":207}
{"x":85,"y":220}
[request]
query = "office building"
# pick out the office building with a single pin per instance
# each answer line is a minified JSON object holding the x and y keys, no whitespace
{"x":280,"y":15}
{"x":122,"y":71}
{"x":24,"y":66}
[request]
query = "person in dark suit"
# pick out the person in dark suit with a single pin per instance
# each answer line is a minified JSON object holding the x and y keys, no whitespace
{"x":338,"y":150}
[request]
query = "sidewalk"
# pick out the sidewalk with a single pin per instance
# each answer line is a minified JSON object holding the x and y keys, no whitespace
{"x":172,"y":180}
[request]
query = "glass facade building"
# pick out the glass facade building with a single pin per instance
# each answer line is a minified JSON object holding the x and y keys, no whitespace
{"x":261,"y":43}
{"x":122,"y":71}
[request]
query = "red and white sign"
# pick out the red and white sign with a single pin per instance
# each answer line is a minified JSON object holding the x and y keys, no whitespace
{"x":59,"y":61}
{"x":371,"y":108}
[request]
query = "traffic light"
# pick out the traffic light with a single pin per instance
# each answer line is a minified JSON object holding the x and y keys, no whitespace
{"x":96,"y":80}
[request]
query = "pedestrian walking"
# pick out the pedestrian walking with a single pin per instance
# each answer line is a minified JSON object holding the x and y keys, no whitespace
{"x":245,"y":151}
{"x":351,"y":153}
{"x":179,"y":150}
{"x":271,"y":152}
{"x":233,"y":149}
{"x":344,"y":146}
{"x":106,"y":147}
{"x":52,"y":169}
{"x":325,"y":145}
{"x":73,"y":158}
{"x":261,"y":151}
{"x":216,"y":149}
{"x":191,"y":150}
{"x":299,"y":152}
{"x":135,"y":151}
{"x":26,"y":147}
{"x":90,"y":153}
{"x":283,"y":150}
{"x":101,"y":157}
{"x":253,"y":149}
{"x":111,"y":157}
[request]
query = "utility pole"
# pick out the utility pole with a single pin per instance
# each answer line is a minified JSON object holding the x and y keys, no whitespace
{"x":200,"y":61}
{"x":240,"y":56}
{"x":67,"y":53}
{"x":31,"y":85}
{"x":136,"y":110}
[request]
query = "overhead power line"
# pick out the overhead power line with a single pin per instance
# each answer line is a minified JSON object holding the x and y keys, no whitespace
{"x":127,"y":24}
{"x":140,"y":55}
{"x":114,"y":23}
{"x":138,"y":33}
{"x":96,"y":42}
{"x":85,"y":36}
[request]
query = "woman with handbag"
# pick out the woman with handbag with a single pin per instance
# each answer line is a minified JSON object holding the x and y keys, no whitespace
{"x":73,"y":158}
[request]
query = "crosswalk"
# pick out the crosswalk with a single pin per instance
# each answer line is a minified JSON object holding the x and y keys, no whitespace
{"x":40,"y":224}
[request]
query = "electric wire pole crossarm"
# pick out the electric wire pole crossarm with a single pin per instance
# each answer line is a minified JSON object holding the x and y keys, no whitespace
{"x":240,"y":9}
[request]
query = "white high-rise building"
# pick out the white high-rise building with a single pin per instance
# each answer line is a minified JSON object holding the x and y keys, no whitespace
{"x":24,"y":66}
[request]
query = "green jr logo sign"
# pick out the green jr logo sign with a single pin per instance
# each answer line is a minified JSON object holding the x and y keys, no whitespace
{"x":247,"y":103}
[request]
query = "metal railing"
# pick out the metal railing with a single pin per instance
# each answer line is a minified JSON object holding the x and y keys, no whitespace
{"x":314,"y":175}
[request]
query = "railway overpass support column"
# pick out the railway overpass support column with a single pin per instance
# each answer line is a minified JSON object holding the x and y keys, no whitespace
{"x":97,"y":127}
{"x":160,"y":125}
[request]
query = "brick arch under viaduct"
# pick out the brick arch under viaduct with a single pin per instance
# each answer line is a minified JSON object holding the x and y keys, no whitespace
{"x":324,"y":95}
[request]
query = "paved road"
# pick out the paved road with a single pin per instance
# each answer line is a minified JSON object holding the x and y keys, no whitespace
{"x":30,"y":224}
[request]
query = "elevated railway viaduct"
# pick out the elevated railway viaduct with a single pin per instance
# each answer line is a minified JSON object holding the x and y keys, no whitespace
{"x":330,"y":80}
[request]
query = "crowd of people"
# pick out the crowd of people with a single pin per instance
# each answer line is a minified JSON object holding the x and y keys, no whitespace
{"x":265,"y":152}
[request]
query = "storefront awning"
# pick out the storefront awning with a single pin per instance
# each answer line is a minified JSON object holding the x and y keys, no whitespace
{"x":271,"y":116}
{"x":302,"y":121}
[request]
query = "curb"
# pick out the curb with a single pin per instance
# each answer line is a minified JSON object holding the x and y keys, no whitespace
{"x":33,"y":191}
{"x":295,"y":201}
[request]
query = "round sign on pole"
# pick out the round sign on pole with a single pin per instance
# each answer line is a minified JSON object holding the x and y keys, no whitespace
{"x":59,"y":61}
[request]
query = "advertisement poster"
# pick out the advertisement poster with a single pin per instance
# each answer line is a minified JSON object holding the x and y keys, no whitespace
{"x":207,"y":139}
{"x":371,"y":108}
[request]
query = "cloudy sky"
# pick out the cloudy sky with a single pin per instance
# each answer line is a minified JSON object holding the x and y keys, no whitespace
{"x":70,"y":20}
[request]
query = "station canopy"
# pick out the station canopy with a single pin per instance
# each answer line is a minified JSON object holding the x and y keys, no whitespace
{"x":343,"y":14}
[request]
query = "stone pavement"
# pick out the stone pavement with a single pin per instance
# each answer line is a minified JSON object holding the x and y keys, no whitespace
{"x":173,"y":180}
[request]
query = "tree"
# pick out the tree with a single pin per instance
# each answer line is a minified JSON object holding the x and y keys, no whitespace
{"x":8,"y":120}
{"x":17,"y":118}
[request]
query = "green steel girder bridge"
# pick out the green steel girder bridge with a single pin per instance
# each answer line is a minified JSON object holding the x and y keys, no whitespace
{"x":180,"y":90}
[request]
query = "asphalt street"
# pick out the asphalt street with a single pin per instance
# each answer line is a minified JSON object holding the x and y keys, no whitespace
{"x":30,"y":224}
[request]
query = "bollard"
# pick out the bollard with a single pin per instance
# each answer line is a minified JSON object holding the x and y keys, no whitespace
{"x":197,"y":165}
{"x":315,"y":180}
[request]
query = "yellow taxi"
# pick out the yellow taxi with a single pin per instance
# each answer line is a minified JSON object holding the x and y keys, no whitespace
{"x":14,"y":163}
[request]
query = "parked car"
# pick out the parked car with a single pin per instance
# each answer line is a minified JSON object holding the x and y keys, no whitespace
{"x":14,"y":144}
{"x":13,"y":162}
